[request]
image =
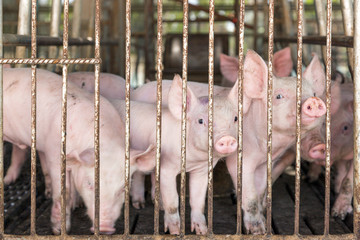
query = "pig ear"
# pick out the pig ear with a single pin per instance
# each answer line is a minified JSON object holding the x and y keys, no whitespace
{"x":350,"y":106}
{"x":283,"y":63}
{"x":233,"y":97}
{"x":229,"y":67}
{"x":87,"y":157}
{"x":175,"y":98}
{"x":315,"y":75}
{"x":335,"y":97}
{"x":145,"y":161}
{"x":255,"y":76}
{"x":339,"y":77}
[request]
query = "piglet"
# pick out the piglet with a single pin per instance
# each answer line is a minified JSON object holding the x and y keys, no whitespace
{"x":142,"y":133}
{"x":80,"y":157}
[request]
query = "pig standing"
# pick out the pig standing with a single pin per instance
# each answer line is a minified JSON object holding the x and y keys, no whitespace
{"x":142,"y":133}
{"x":254,"y":110}
{"x":80,"y":140}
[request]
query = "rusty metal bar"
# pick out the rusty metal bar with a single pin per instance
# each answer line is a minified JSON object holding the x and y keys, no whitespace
{"x":23,"y":24}
{"x":321,"y":22}
{"x":210,"y":116}
{"x":269,"y":117}
{"x":357,"y":119}
{"x":240,"y":116}
{"x":298,"y":114}
{"x":63,"y":119}
{"x":23,"y":40}
{"x":187,"y":237}
{"x":183,"y":116}
{"x":97,"y":119}
{"x":348,"y":19}
{"x":2,"y":201}
{"x":33,"y":121}
{"x":328,"y":117}
{"x":54,"y":28}
{"x":39,"y":61}
{"x":127,"y":122}
{"x":159,"y":68}
{"x":338,"y":41}
{"x":255,"y":24}
{"x":306,"y":49}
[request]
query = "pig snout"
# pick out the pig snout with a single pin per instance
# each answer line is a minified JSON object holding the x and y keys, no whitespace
{"x":314,"y":107}
{"x":105,"y":228}
{"x":318,"y":152}
{"x":226,"y":145}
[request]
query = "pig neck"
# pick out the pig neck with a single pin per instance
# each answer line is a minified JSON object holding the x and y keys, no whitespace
{"x":255,"y":128}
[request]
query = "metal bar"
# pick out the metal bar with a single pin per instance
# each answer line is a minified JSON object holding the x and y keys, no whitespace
{"x":183,"y":116}
{"x":121,"y":39}
{"x":211,"y":116}
{"x":38,"y":61}
{"x":188,"y":237}
{"x":338,"y":41}
{"x":328,"y":117}
{"x":298,"y":114}
{"x":23,"y":24}
{"x":76,"y":25}
{"x":255,"y":24}
{"x":33,"y":121}
{"x":127,"y":122}
{"x":348,"y":19}
{"x":63,"y":119}
{"x":306,"y":49}
{"x":97,"y":120}
{"x":269,"y":117}
{"x":321,"y":22}
{"x":90,"y":33}
{"x":2,"y":201}
{"x":357,"y":119}
{"x":23,"y":40}
{"x":240,"y":116}
{"x":159,"y":69}
{"x":54,"y":28}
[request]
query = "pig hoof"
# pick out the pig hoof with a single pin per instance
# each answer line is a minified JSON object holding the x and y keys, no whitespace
{"x":198,"y":223}
{"x":255,"y":226}
{"x":172,"y":222}
{"x":341,"y":211}
{"x":138,"y":204}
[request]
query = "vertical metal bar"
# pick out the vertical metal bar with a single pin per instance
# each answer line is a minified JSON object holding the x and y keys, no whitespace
{"x":321,"y":22}
{"x":76,"y":26}
{"x":54,"y":29}
{"x":328,"y":116}
{"x":348,"y":19}
{"x":96,"y":119}
{"x":33,"y":120}
{"x":159,"y":68}
{"x":211,"y":106}
{"x":357,"y":119}
{"x":266,"y":23}
{"x":23,"y":25}
{"x":269,"y":117}
{"x":183,"y":116}
{"x":90,"y":31}
{"x":240,"y":113}
{"x":127,"y":122}
{"x":121,"y":30}
{"x":255,"y":25}
{"x":63,"y":118}
{"x":306,"y":48}
{"x":1,"y":127}
{"x":298,"y":114}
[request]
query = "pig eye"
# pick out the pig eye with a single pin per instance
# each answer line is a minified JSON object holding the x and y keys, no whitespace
{"x":236,"y":118}
{"x":201,"y":121}
{"x":345,"y":128}
{"x":279,"y":96}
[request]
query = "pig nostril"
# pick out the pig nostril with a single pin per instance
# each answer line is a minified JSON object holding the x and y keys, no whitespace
{"x":309,"y":107}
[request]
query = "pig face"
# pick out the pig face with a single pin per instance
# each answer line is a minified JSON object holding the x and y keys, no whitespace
{"x":284,"y":93}
{"x":224,"y":123}
{"x":112,"y":180}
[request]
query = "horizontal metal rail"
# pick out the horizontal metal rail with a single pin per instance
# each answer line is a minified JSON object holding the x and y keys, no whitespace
{"x":336,"y":41}
{"x":50,"y":61}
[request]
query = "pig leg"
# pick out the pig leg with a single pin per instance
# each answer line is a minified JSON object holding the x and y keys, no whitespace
{"x":46,"y":174}
{"x":170,"y":199}
{"x":55,"y":218}
{"x":137,"y":190}
{"x":286,"y":160}
{"x":314,"y":172}
{"x":341,"y":172}
{"x":231,"y":164}
{"x":153,"y":191}
{"x":198,"y":186}
{"x":18,"y":157}
{"x":342,"y":205}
